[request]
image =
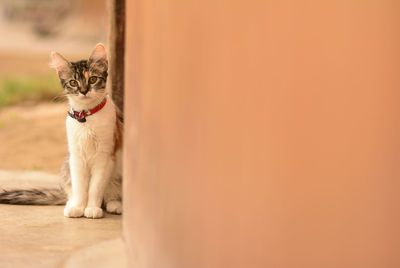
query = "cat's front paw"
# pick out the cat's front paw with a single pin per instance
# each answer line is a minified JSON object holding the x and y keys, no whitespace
{"x":93,"y":212}
{"x":73,"y":211}
{"x":114,"y":207}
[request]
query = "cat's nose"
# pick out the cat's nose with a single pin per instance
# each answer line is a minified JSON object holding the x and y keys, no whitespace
{"x":84,"y":92}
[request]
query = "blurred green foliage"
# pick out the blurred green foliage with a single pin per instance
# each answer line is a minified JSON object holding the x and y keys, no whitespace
{"x":14,"y":90}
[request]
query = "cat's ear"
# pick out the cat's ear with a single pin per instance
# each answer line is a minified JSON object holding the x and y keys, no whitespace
{"x":59,"y":63}
{"x":98,"y":59}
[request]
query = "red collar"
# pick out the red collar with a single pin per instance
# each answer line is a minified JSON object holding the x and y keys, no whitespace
{"x":81,"y":116}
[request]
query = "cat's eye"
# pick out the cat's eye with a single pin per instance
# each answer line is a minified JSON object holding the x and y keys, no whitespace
{"x":92,"y":79}
{"x":73,"y":83}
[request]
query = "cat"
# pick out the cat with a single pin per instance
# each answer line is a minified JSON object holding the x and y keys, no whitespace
{"x":92,"y":172}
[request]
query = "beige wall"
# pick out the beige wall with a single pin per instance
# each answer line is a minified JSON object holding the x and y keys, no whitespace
{"x":262,"y":134}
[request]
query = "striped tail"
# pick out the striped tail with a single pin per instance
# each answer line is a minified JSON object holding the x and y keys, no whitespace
{"x":34,"y":197}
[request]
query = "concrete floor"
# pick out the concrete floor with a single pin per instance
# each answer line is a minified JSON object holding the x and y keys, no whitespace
{"x":40,"y":236}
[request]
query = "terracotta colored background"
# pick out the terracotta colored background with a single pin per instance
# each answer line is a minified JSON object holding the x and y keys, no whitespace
{"x":262,"y":134}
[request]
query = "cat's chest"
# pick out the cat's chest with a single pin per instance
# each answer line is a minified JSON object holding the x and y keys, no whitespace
{"x":93,"y":136}
{"x":83,"y":137}
{"x":83,"y":134}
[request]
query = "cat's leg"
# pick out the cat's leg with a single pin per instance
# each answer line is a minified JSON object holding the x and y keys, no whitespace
{"x":79,"y":187}
{"x":114,"y":206}
{"x":101,"y":172}
{"x":112,"y":195}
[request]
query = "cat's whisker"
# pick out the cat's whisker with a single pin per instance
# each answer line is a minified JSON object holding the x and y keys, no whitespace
{"x":61,"y":97}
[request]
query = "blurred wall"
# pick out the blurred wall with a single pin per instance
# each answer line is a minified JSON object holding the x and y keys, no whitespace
{"x":262,"y":134}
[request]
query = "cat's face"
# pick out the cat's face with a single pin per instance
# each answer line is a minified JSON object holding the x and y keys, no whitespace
{"x":83,"y":81}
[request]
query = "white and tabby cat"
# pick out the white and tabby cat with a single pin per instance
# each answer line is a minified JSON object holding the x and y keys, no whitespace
{"x":92,"y":171}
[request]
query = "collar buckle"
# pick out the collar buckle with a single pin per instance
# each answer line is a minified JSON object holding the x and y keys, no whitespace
{"x":77,"y":116}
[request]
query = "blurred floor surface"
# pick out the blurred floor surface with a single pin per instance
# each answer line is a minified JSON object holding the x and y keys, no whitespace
{"x":40,"y":236}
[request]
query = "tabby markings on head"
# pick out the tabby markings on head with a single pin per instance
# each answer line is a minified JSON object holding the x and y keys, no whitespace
{"x":83,"y":76}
